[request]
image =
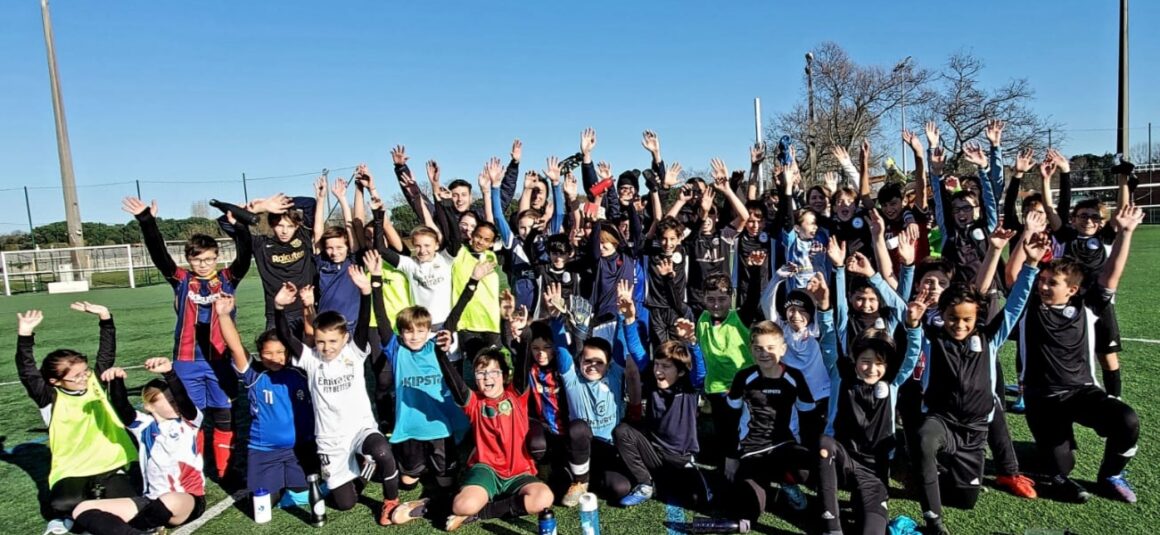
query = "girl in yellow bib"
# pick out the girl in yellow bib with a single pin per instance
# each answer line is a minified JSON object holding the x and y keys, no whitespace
{"x":91,"y":449}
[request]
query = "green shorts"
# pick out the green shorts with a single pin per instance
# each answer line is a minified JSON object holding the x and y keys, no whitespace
{"x":481,"y":475}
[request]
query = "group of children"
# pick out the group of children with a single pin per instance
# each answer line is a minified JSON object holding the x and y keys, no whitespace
{"x":794,"y":329}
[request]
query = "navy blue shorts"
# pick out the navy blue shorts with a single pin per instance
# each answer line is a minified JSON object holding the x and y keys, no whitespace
{"x":200,"y":379}
{"x":274,"y":470}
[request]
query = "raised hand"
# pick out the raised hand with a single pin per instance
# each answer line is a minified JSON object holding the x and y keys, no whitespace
{"x":519,"y":319}
{"x":359,"y":278}
{"x":1046,"y":170}
{"x":306,"y":294}
{"x":320,"y":187}
{"x":1025,"y":161}
{"x":819,"y":290}
{"x":443,"y":340}
{"x":587,"y":141}
{"x":836,"y":250}
{"x":858,"y":264}
{"x":286,"y":295}
{"x":756,"y":258}
{"x":787,"y":271}
{"x":830,"y":179}
{"x":484,"y":181}
{"x":624,"y":300}
{"x":664,"y":266}
{"x":134,"y":206}
{"x":399,"y":155}
{"x":224,"y":305}
{"x":373,"y":261}
{"x":494,"y":170}
{"x":112,"y":374}
{"x":26,"y":323}
{"x":911,"y":139}
{"x":159,"y":365}
{"x":570,"y":187}
{"x":554,"y":300}
{"x":757,"y":154}
{"x":91,"y":308}
{"x":377,"y":204}
{"x":673,"y":175}
{"x":552,"y":170}
{"x":1129,"y":217}
{"x":1034,"y":222}
{"x":651,"y":142}
{"x":720,"y":174}
{"x":406,"y":180}
{"x":841,"y":154}
{"x":339,"y":189}
{"x":1061,"y":162}
{"x":877,"y":225}
{"x":507,"y":304}
{"x":531,"y":179}
{"x":362,"y":177}
{"x":710,"y":196}
{"x":1000,"y":237}
{"x":932,"y":136}
{"x":517,"y":150}
{"x":604,"y":171}
{"x":685,"y":331}
{"x":482,"y":269}
{"x":916,"y":309}
{"x":938,"y":157}
{"x":276,"y":204}
{"x":995,"y":132}
{"x":1036,"y":246}
{"x":905,"y":249}
{"x":973,"y":153}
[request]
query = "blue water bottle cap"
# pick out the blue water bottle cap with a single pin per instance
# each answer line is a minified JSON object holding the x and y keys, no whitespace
{"x":261,"y":492}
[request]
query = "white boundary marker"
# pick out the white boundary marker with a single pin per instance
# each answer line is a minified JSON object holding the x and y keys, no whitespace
{"x":210,"y":514}
{"x":1143,"y":340}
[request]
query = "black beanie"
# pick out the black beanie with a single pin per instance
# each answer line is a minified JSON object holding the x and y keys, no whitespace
{"x":629,"y":178}
{"x":797,"y":298}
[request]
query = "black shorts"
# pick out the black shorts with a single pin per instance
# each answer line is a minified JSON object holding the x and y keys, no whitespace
{"x":964,"y":454}
{"x":1107,"y":331}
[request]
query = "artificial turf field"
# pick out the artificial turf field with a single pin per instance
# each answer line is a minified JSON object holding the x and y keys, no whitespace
{"x":144,"y":319}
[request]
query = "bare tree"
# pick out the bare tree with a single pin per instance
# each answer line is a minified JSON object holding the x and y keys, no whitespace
{"x":850,"y":102}
{"x":956,"y":100}
{"x":1141,"y":155}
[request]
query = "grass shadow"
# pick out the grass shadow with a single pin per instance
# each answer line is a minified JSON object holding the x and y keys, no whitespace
{"x":35,"y":460}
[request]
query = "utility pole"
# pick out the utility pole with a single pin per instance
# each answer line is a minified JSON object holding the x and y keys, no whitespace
{"x":72,"y":211}
{"x":900,"y":69}
{"x":810,"y":137}
{"x":28,"y":210}
{"x":245,"y":189}
{"x":1122,"y":142}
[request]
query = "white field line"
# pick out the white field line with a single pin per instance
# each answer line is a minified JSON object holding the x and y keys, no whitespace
{"x":210,"y":514}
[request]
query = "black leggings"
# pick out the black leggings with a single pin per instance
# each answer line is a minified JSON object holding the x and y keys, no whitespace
{"x":962,"y":449}
{"x":435,"y":456}
{"x":346,"y":495}
{"x":64,"y":496}
{"x":868,"y":480}
{"x":1051,"y":420}
{"x":786,"y":464}
{"x":643,"y":460}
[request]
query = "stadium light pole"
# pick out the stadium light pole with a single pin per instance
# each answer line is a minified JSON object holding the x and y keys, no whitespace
{"x":901,"y":69}
{"x":72,"y":211}
{"x":1122,"y":130}
{"x":810,"y":128}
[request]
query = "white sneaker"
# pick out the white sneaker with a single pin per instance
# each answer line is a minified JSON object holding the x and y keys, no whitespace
{"x":58,"y":526}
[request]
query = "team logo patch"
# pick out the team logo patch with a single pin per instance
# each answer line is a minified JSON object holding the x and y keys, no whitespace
{"x":879,"y":324}
{"x":677,"y":258}
{"x":976,"y":344}
{"x":978,"y":235}
{"x":567,"y":278}
{"x":881,"y":390}
{"x":1093,"y":243}
{"x":301,"y":395}
{"x":505,"y":407}
{"x":716,"y":241}
{"x":296,"y":243}
{"x":858,"y":224}
{"x":763,"y":237}
{"x":1069,"y":312}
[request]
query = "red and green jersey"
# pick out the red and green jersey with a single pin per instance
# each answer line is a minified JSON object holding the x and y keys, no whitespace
{"x":500,"y":427}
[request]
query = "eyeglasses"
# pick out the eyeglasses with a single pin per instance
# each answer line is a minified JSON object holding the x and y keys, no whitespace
{"x":1089,"y":217}
{"x":78,"y":378}
{"x":203,"y":261}
{"x":484,"y":374}
{"x":964,"y":209}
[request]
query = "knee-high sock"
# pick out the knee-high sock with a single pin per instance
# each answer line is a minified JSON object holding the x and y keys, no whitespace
{"x":223,"y":448}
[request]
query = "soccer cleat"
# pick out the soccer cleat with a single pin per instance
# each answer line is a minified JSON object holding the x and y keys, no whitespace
{"x":640,"y":494}
{"x":1119,"y":487}
{"x":1068,"y":490}
{"x":407,"y":511}
{"x":58,"y":526}
{"x":388,"y":511}
{"x":575,"y":490}
{"x":1019,"y":407}
{"x":455,"y":522}
{"x":1019,"y":485}
{"x":794,"y":497}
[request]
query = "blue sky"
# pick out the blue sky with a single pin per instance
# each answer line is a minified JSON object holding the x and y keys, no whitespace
{"x":166,"y":92}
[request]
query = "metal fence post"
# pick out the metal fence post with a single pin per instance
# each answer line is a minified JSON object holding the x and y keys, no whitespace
{"x":4,"y":265}
{"x":132,"y":279}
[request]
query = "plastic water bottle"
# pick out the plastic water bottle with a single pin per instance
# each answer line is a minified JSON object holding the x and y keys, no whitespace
{"x":317,"y":506}
{"x":710,"y":525}
{"x":261,"y":505}
{"x":547,"y":522}
{"x":589,"y":514}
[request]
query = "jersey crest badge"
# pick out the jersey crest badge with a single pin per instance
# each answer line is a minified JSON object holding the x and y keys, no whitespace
{"x":857,"y":222}
{"x":976,"y":344}
{"x":763,"y":237}
{"x":977,"y":234}
{"x":1069,"y":312}
{"x":1093,"y":243}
